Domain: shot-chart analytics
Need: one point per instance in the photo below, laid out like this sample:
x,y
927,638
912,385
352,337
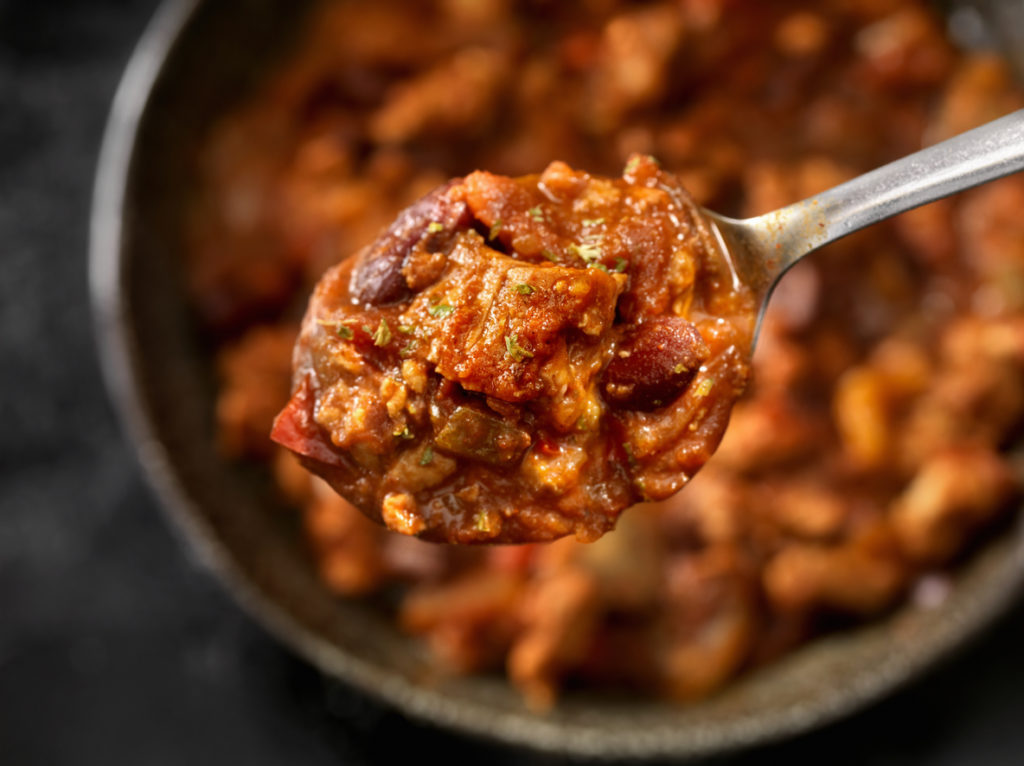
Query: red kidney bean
x,y
654,361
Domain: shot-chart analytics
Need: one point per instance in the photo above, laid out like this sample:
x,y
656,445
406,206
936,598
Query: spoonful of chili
x,y
518,359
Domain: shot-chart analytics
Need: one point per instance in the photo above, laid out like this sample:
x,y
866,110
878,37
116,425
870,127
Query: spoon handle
x,y
991,151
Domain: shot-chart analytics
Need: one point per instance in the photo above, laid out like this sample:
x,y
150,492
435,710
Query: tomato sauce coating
x,y
518,359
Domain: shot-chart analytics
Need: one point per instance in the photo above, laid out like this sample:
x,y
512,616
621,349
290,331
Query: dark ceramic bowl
x,y
187,69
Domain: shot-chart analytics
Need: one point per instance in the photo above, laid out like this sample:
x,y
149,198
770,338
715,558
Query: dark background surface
x,y
115,648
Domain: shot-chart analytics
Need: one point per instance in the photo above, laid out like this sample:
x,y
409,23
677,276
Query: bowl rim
x,y
118,359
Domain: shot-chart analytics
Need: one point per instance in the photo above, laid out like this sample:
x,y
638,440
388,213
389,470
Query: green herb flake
x,y
600,266
435,226
704,388
588,251
428,456
549,255
405,433
593,221
517,352
634,163
495,229
407,349
524,289
367,329
440,310
343,331
383,334
536,213
407,329
628,449
620,265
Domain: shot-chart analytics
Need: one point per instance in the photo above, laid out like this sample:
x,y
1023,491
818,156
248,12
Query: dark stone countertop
x,y
114,647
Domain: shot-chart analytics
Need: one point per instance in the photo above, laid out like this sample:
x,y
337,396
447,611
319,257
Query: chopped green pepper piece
x,y
471,433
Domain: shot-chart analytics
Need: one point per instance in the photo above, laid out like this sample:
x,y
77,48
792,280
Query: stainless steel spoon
x,y
763,248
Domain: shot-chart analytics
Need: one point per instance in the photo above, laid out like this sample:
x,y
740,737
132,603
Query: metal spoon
x,y
763,248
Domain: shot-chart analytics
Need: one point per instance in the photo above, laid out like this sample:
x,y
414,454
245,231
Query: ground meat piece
x,y
955,492
238,268
454,97
861,576
708,621
345,544
979,90
768,432
254,375
863,417
469,621
711,510
561,613
993,237
808,509
977,395
803,33
905,48
636,48
520,359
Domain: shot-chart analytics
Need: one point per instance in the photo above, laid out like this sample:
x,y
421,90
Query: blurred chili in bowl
x,y
868,465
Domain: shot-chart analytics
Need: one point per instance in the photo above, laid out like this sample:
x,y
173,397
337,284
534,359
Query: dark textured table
x,y
114,647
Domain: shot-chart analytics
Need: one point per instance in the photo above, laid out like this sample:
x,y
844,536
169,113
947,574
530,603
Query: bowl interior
x,y
202,56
